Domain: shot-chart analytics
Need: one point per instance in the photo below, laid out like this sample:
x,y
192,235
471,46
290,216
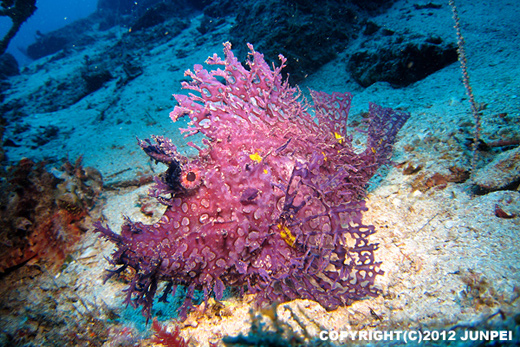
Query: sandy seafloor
x,y
449,262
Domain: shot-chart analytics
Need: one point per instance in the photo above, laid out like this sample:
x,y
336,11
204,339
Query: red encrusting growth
x,y
43,216
167,338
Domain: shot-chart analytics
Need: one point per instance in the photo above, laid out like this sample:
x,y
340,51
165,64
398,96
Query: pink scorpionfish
x,y
273,202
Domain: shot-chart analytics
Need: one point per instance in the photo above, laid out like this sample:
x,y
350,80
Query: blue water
x,y
50,15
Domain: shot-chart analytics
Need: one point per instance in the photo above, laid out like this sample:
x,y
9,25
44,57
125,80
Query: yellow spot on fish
x,y
379,144
286,235
324,156
265,171
256,157
339,137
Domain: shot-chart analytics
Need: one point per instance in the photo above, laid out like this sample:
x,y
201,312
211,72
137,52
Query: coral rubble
x,y
41,215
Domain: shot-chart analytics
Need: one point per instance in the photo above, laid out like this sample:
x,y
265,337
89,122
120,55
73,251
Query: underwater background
x,y
79,83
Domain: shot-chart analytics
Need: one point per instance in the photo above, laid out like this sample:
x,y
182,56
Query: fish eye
x,y
191,176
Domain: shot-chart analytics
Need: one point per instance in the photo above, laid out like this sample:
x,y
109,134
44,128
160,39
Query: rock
x,y
221,8
501,173
117,7
153,16
308,33
159,13
8,66
46,45
399,59
95,79
77,33
83,32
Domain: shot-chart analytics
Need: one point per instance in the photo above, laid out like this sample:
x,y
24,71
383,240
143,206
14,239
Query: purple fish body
x,y
272,203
